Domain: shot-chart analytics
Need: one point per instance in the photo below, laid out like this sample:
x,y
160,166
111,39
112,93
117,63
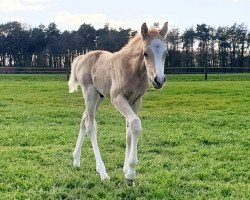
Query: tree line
x,y
43,46
46,46
205,46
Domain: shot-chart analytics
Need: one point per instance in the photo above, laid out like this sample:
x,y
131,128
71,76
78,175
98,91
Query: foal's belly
x,y
102,83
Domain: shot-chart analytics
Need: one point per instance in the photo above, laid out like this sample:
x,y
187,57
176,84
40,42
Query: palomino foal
x,y
123,77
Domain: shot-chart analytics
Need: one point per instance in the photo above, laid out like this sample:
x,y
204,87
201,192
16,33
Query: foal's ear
x,y
144,30
164,29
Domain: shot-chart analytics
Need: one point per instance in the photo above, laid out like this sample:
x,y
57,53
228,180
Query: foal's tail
x,y
73,83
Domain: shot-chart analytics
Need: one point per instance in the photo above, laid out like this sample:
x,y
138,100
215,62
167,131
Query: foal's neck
x,y
135,56
139,64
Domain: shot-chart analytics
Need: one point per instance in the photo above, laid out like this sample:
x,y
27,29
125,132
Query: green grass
x,y
195,142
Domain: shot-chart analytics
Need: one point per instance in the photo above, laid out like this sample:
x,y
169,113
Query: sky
x,y
69,15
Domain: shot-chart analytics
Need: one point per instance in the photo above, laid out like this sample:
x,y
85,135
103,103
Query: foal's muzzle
x,y
158,82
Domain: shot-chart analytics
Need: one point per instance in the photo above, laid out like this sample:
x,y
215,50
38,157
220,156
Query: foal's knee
x,y
135,125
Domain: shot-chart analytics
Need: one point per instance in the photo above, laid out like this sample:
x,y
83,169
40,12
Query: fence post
x,y
205,71
67,65
205,65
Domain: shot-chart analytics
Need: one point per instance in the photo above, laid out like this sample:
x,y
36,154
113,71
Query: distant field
x,y
195,142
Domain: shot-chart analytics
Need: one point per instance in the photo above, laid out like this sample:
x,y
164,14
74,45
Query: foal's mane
x,y
138,38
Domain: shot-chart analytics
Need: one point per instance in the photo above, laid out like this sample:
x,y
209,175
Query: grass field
x,y
195,142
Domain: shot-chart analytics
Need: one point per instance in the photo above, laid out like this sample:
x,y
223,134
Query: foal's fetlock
x,y
76,160
125,168
76,163
130,174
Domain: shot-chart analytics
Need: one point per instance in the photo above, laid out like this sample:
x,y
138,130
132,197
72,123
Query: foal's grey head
x,y
154,51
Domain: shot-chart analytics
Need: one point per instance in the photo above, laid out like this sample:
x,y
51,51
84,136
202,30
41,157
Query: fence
x,y
210,70
32,70
168,70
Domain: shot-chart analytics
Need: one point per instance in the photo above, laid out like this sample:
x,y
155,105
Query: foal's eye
x,y
165,55
145,55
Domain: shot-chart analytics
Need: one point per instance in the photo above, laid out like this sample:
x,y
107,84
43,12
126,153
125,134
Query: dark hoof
x,y
130,183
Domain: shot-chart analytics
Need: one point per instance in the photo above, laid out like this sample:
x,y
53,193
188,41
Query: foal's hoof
x,y
76,163
103,174
105,178
130,183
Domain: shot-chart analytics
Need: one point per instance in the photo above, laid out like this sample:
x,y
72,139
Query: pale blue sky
x,y
69,15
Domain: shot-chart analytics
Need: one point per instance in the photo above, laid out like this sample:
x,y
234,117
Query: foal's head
x,y
154,51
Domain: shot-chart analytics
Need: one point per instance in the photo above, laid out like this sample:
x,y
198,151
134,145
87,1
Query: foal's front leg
x,y
134,124
128,145
135,107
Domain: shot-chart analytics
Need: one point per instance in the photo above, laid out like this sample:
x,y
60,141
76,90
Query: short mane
x,y
137,38
133,41
153,31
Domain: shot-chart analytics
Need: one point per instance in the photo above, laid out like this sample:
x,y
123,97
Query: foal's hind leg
x,y
91,100
81,136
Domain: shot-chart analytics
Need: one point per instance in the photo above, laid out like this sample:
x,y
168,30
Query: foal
x,y
124,78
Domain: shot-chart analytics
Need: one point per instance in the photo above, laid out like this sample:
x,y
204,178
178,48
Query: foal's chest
x,y
134,92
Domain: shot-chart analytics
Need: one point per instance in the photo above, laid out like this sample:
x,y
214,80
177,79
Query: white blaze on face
x,y
159,50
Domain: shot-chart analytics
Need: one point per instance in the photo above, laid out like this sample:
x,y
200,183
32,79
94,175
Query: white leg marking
x,y
92,103
81,136
100,167
128,145
135,128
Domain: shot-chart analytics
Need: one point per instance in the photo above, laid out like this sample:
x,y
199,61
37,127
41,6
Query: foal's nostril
x,y
157,82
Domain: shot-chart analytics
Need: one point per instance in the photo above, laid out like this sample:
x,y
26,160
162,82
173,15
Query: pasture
x,y
195,142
